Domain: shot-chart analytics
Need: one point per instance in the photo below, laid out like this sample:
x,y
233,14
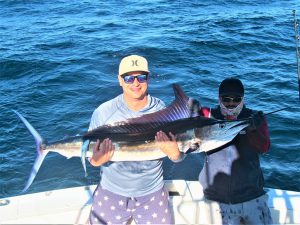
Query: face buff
x,y
231,113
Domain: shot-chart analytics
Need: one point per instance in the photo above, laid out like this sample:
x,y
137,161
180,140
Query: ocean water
x,y
59,61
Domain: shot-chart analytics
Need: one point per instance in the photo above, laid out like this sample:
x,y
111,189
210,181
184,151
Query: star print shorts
x,y
110,208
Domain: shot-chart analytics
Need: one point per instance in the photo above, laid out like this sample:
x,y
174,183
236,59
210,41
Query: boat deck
x,y
72,206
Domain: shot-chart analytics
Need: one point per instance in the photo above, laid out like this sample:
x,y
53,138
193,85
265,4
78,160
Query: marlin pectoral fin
x,y
84,149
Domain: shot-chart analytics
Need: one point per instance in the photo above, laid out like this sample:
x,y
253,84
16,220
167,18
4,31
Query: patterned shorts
x,y
110,208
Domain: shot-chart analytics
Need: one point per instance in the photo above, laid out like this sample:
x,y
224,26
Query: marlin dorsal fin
x,y
179,109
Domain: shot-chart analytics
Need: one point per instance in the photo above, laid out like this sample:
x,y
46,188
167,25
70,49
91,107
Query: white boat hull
x,y
72,206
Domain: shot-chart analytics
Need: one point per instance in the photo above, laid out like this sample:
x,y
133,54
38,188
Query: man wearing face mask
x,y
231,177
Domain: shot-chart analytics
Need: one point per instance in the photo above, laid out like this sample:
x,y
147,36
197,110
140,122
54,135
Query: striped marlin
x,y
134,139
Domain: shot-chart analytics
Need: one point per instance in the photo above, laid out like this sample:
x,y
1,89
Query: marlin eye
x,y
222,125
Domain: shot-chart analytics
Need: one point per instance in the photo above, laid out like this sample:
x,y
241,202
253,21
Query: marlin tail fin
x,y
40,153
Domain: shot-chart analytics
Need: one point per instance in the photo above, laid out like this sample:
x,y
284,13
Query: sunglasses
x,y
142,78
229,99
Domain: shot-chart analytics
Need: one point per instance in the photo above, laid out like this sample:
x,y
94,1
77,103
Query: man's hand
x,y
102,152
256,120
168,145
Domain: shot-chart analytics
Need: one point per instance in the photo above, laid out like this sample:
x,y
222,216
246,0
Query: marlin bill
x,y
134,139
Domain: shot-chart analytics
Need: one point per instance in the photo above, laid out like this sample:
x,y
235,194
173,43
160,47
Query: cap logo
x,y
135,63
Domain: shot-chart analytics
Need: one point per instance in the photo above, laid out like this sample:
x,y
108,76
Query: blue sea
x,y
59,61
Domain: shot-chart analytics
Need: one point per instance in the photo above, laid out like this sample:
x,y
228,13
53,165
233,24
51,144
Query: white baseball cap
x,y
133,63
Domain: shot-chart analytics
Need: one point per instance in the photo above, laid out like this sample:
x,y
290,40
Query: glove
x,y
194,106
256,120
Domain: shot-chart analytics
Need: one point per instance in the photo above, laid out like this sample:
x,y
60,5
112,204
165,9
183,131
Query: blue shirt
x,y
130,179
